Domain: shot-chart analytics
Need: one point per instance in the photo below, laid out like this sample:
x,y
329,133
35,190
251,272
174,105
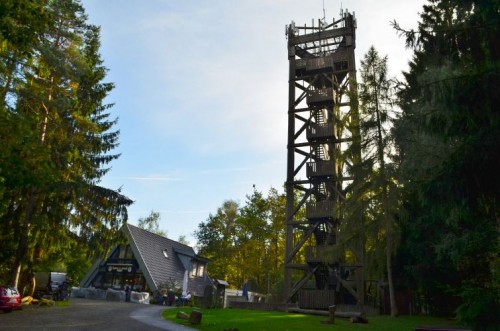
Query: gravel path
x,y
85,314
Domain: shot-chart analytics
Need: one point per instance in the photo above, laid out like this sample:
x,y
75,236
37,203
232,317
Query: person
x,y
56,291
63,291
187,298
171,297
245,290
164,298
184,299
127,293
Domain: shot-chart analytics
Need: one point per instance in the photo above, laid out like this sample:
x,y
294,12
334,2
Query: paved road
x,y
85,314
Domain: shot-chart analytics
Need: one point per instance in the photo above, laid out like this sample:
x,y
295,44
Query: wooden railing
x,y
316,131
320,96
326,63
320,169
321,209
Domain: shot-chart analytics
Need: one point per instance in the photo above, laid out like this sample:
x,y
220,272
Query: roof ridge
x,y
133,242
156,234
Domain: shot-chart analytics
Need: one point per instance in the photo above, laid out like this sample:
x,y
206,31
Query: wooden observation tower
x,y
323,147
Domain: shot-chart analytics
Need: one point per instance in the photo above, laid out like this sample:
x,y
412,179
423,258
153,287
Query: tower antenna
x,y
324,13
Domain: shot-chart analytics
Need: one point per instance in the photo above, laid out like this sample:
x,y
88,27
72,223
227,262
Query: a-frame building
x,y
149,262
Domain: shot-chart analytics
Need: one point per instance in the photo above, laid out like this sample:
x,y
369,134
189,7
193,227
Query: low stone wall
x,y
139,297
95,294
78,292
109,295
114,295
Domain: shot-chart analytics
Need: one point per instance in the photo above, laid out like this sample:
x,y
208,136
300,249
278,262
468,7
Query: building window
x,y
197,269
201,270
165,252
194,267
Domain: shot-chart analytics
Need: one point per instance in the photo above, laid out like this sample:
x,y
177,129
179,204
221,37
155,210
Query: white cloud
x,y
218,81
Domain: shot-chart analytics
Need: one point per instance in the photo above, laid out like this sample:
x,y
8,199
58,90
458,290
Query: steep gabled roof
x,y
149,248
94,269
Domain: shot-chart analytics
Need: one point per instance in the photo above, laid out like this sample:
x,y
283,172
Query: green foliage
x,y
375,195
216,241
183,240
246,242
376,108
447,138
21,21
151,223
480,308
56,136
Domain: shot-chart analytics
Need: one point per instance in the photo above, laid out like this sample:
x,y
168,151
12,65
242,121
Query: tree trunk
x,y
392,297
26,284
22,247
32,201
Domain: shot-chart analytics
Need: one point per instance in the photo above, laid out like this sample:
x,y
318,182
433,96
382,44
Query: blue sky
x,y
201,94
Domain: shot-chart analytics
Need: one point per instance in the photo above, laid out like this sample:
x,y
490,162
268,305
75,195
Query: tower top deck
x,y
347,19
321,37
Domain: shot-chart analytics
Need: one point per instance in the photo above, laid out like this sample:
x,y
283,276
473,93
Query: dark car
x,y
10,298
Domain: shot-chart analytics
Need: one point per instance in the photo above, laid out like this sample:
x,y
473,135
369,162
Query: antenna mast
x,y
324,13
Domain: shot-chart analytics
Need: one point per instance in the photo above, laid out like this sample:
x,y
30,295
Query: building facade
x,y
149,263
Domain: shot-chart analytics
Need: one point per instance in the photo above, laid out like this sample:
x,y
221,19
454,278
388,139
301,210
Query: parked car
x,y
10,298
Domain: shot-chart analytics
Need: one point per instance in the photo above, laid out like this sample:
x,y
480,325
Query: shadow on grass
x,y
242,320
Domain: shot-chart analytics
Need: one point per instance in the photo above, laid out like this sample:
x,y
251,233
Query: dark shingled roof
x,y
148,249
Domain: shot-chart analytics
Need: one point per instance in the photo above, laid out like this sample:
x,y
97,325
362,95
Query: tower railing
x,y
319,131
320,169
320,209
320,96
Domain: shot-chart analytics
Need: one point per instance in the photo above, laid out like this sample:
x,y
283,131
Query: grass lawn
x,y
64,304
221,319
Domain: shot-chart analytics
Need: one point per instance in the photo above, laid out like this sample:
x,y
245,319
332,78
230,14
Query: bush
x,y
480,309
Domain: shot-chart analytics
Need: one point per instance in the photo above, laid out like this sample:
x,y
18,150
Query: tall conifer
x,y
56,136
448,137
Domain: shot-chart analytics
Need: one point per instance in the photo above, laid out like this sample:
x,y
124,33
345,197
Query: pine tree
x,y
378,186
448,137
56,135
